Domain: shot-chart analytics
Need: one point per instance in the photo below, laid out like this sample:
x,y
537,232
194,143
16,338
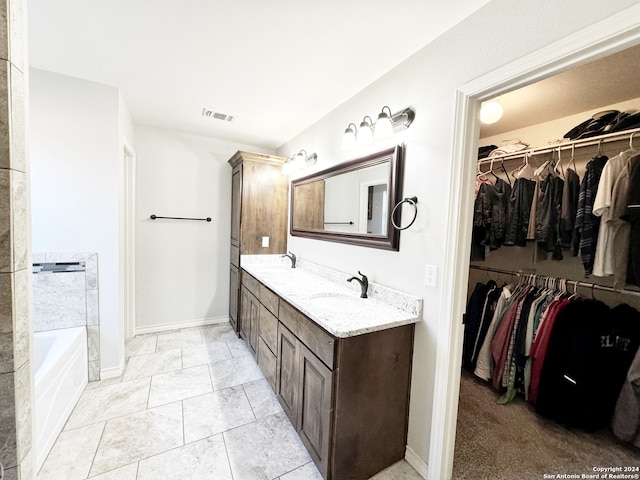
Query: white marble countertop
x,y
351,315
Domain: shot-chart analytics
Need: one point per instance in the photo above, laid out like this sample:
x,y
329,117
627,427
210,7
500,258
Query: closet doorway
x,y
500,435
605,39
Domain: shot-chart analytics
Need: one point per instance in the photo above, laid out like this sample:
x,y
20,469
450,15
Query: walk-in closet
x,y
550,382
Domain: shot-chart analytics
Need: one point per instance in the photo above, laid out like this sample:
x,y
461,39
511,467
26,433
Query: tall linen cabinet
x,y
259,199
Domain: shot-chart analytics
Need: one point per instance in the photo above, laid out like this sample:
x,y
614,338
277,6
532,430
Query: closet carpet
x,y
512,442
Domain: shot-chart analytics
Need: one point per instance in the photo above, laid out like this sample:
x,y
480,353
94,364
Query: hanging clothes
x,y
626,418
569,208
603,261
633,216
519,212
586,228
484,360
590,350
480,309
549,206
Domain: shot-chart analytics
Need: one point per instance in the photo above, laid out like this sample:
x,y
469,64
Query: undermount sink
x,y
338,302
276,269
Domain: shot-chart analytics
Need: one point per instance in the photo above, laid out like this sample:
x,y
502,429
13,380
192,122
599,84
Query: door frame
x,y
127,224
603,38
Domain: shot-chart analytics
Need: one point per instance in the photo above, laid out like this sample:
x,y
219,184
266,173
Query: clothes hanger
x,y
492,172
573,158
525,170
504,170
559,171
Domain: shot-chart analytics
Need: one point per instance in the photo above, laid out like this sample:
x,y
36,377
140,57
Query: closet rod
x,y
576,283
585,142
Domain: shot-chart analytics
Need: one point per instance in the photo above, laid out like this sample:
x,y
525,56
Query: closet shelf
x,y
585,142
575,283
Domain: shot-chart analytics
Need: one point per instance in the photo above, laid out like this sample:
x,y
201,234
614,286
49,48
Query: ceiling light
x,y
365,132
491,112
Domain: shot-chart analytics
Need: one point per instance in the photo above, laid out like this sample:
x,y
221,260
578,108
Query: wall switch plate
x,y
430,275
265,242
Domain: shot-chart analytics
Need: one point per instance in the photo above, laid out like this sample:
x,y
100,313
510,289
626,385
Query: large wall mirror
x,y
351,202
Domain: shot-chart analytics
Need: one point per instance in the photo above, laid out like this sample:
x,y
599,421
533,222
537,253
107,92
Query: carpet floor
x,y
509,442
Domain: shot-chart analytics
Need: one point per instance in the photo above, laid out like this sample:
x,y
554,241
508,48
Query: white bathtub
x,y
61,373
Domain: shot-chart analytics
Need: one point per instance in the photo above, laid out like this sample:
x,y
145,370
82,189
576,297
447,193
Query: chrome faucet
x,y
293,259
364,283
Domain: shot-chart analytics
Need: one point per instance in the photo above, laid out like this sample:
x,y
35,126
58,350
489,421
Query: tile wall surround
x,y
69,299
15,337
395,298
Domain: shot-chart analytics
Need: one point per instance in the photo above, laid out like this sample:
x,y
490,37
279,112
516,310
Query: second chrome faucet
x,y
364,283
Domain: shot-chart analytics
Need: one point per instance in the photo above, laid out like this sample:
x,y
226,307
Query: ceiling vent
x,y
217,115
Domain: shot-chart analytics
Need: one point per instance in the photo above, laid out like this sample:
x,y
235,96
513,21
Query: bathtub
x,y
60,378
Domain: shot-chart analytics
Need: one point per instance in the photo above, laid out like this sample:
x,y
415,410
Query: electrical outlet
x,y
265,242
430,275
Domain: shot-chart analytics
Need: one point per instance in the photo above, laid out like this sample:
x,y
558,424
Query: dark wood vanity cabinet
x,y
259,198
347,397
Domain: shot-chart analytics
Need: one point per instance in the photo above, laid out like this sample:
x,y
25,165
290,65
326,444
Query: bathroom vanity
x,y
340,365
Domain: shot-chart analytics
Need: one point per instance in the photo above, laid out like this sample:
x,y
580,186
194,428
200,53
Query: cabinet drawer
x,y
269,299
268,328
251,283
235,255
315,338
267,363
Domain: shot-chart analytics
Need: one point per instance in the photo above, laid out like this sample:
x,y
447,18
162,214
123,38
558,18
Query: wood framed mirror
x,y
351,202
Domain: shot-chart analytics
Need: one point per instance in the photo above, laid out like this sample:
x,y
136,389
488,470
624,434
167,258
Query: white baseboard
x,y
416,462
111,372
163,327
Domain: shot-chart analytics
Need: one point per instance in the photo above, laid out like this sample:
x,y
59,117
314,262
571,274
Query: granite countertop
x,y
308,285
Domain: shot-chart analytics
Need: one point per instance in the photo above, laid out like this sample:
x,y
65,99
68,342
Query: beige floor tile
x,y
398,471
216,412
137,436
202,460
72,454
128,472
235,371
265,449
308,471
206,353
217,332
178,385
183,338
262,399
153,364
111,401
238,347
140,345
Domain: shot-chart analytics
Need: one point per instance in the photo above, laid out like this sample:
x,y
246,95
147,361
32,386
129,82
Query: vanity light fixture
x,y
387,124
491,112
365,132
349,138
298,161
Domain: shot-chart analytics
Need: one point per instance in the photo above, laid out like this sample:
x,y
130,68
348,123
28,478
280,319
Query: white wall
x,y
182,267
499,33
75,152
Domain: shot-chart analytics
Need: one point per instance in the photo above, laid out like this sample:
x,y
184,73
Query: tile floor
x,y
192,404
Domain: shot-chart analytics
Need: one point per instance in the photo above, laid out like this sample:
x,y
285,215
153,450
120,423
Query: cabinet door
x,y
254,319
233,298
287,373
314,410
245,313
236,196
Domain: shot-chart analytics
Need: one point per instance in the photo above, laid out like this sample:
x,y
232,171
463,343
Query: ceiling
x,y
276,66
597,84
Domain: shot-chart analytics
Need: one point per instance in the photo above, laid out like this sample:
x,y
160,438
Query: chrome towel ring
x,y
412,201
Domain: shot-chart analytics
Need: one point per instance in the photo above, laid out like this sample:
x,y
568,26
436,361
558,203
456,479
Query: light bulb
x,y
491,112
349,138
